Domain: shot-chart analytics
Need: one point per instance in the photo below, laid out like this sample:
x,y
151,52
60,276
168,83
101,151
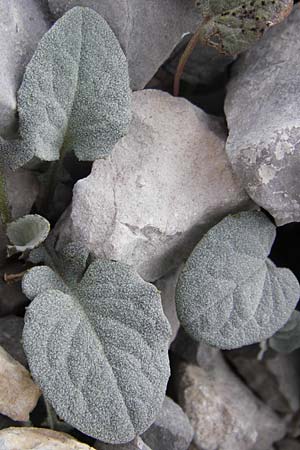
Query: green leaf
x,y
27,233
96,340
229,293
75,93
232,26
287,339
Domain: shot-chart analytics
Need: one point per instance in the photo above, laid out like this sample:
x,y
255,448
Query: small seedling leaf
x,y
27,233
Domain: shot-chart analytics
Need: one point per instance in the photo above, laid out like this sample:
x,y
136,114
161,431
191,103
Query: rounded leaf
x,y
75,93
287,339
27,233
229,293
232,26
100,352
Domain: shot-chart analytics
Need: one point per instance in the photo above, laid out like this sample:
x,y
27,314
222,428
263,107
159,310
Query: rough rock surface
x,y
263,115
223,411
274,379
165,183
137,444
18,393
288,444
171,430
22,190
146,43
11,328
22,24
167,286
38,439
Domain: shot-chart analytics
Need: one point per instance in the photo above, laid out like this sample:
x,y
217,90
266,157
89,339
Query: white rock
x,y
22,24
38,439
165,183
148,30
18,393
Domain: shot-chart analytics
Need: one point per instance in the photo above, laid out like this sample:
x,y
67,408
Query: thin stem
x,y
13,277
184,58
4,204
51,415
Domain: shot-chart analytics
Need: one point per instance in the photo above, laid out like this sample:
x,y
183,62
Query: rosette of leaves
x,y
232,26
287,339
75,93
230,294
97,341
27,233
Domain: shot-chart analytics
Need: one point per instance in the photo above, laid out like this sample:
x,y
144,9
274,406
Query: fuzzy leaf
x,y
75,93
229,293
232,26
27,233
97,344
287,339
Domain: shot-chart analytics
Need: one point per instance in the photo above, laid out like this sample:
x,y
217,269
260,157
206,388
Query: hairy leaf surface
x,y
232,26
287,339
229,293
75,93
96,340
27,233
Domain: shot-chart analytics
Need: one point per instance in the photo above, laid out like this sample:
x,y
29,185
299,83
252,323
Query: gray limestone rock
x,y
146,43
223,411
274,379
22,24
263,115
162,187
167,286
171,430
22,189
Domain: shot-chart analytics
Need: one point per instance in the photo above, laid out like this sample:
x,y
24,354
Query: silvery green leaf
x,y
232,26
27,233
96,340
75,93
287,339
229,293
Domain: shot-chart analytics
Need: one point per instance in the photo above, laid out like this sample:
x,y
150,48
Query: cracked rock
x,y
18,393
263,114
224,413
22,24
162,187
171,430
38,439
146,43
